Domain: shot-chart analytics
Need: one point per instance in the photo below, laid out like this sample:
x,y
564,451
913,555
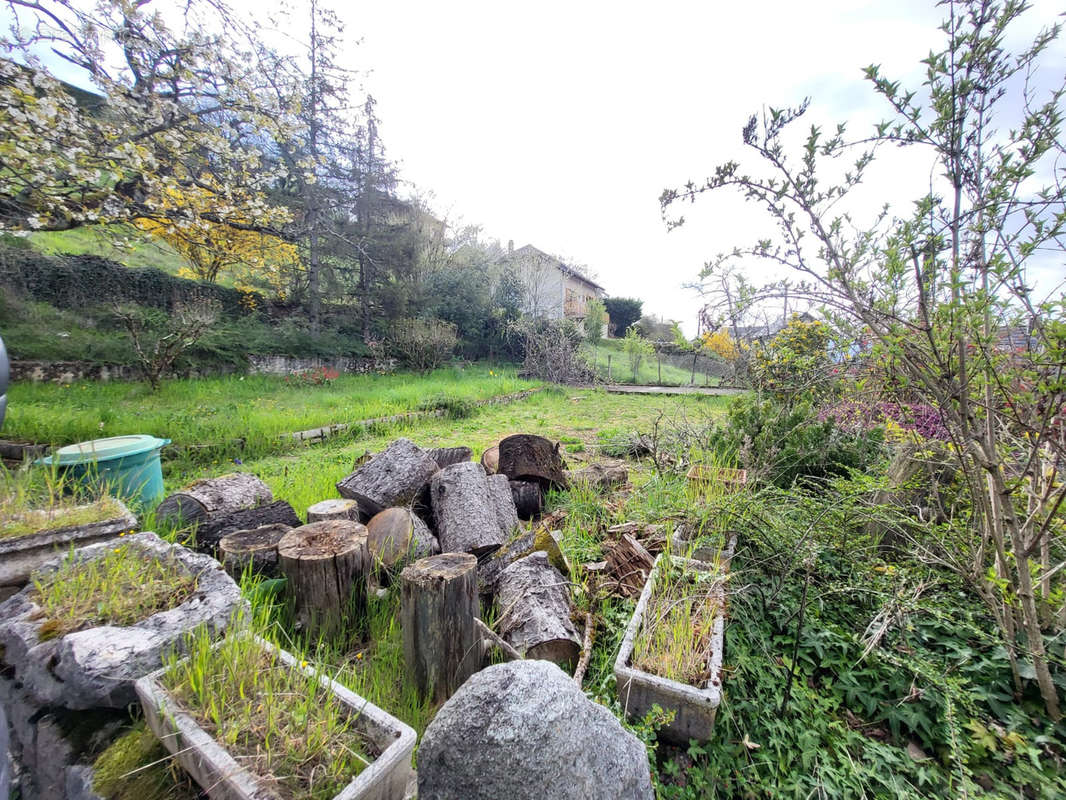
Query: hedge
x,y
75,281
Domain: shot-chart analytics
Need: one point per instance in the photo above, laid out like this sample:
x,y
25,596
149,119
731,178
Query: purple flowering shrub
x,y
858,416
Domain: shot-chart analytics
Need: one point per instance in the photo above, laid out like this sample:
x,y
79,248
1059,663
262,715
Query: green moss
x,y
137,767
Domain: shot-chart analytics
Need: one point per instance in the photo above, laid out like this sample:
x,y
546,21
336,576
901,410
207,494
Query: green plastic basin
x,y
127,465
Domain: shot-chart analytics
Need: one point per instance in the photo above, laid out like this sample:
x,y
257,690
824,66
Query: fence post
x,y
608,368
659,358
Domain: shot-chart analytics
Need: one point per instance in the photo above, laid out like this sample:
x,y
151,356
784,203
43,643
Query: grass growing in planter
x,y
675,636
279,722
121,587
33,500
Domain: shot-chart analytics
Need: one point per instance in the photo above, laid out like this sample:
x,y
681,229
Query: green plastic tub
x,y
127,465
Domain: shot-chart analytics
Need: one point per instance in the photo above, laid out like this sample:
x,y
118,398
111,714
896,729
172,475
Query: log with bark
x,y
628,566
534,606
211,498
528,498
503,504
208,534
438,616
464,510
256,549
333,509
600,476
396,536
446,456
393,477
527,457
326,564
520,546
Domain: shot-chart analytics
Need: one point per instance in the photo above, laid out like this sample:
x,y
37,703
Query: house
x,y
550,288
750,334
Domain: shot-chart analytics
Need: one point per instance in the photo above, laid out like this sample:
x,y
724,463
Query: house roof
x,y
569,271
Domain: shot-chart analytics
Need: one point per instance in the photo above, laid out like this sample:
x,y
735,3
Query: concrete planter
x,y
223,778
96,667
21,555
638,691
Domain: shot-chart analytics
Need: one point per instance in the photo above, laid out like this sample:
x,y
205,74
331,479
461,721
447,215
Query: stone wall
x,y
70,371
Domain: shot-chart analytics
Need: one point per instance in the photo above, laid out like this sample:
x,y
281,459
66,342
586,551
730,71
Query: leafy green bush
x,y
424,344
784,444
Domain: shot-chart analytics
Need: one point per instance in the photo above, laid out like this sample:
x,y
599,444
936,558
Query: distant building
x,y
550,288
750,334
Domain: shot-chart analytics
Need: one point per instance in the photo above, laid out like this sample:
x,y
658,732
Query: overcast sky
x,y
558,124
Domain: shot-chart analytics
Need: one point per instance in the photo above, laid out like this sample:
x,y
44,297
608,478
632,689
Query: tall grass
x,y
41,498
256,409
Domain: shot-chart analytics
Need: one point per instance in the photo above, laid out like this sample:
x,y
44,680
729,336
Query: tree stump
x,y
209,533
438,613
503,503
256,548
446,456
326,564
465,513
535,611
393,477
490,460
398,535
211,498
528,499
526,457
333,509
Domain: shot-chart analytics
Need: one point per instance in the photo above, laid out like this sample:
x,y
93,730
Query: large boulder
x,y
96,667
525,731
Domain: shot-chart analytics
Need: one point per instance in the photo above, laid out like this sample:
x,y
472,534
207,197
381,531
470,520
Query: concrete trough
x,y
21,555
695,707
223,778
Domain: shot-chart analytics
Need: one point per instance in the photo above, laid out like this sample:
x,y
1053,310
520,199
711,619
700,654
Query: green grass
x,y
119,587
107,241
137,767
220,411
277,720
33,500
648,372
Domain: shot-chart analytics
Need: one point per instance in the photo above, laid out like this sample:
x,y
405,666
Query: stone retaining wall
x,y
70,371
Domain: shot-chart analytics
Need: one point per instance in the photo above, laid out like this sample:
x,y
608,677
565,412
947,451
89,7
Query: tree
x,y
636,347
184,111
623,312
595,318
160,339
946,294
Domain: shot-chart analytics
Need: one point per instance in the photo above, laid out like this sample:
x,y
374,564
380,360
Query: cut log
x,y
489,569
256,549
628,566
326,564
398,535
393,477
526,457
600,476
209,533
208,499
528,498
535,611
325,510
503,503
490,460
446,456
438,615
465,513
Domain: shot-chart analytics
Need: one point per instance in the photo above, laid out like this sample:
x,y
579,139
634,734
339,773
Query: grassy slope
x,y
106,241
647,374
218,411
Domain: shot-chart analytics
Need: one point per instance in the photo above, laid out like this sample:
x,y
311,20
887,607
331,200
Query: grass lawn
x,y
218,411
648,372
142,250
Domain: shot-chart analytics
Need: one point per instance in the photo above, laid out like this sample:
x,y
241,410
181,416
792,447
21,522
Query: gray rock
x,y
524,731
96,667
